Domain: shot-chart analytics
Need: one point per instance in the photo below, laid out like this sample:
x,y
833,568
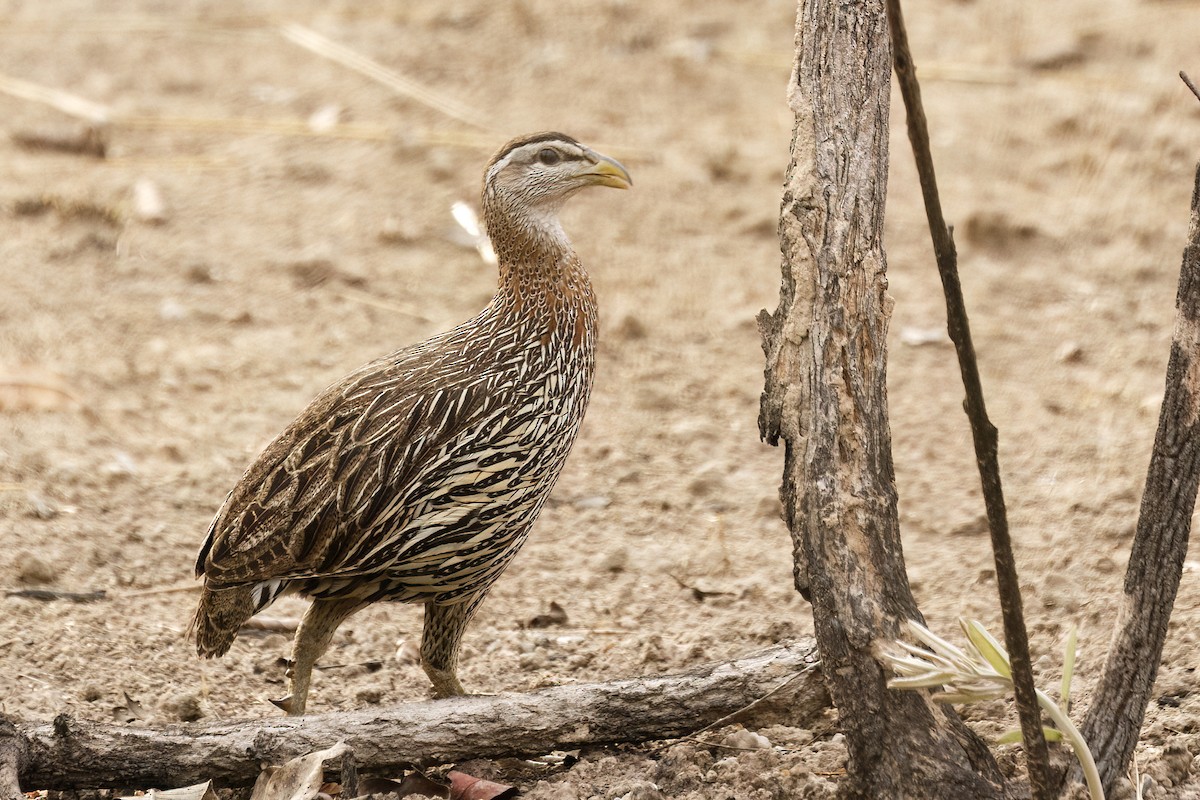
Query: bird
x,y
416,478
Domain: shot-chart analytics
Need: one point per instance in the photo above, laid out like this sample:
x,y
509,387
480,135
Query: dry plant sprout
x,y
983,671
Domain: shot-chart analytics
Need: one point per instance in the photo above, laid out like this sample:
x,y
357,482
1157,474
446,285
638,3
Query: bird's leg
x,y
444,626
312,637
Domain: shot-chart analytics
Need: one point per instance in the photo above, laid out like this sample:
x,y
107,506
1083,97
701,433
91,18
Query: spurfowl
x,y
417,477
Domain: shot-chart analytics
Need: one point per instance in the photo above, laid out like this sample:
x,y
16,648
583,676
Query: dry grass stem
x,y
406,87
66,102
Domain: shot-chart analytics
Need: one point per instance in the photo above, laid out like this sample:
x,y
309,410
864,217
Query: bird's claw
x,y
288,705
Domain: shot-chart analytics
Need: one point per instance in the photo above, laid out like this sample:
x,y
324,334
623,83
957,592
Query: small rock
x,y
396,231
919,337
122,465
593,501
638,790
557,615
993,230
974,527
532,661
200,273
747,740
654,650
1069,353
41,507
769,507
34,569
312,272
171,310
325,118
1174,765
615,560
707,483
630,328
371,695
184,706
1056,54
148,205
408,652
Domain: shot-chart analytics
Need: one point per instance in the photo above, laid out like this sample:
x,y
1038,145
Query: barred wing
x,y
335,474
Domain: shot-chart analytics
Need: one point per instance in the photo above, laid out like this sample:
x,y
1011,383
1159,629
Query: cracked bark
x,y
825,398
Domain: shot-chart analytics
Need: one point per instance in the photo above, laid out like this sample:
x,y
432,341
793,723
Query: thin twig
x,y
982,430
731,717
1189,83
48,595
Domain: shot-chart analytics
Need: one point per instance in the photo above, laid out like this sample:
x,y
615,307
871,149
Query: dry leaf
x,y
130,711
30,388
299,779
698,594
408,651
468,787
471,233
557,615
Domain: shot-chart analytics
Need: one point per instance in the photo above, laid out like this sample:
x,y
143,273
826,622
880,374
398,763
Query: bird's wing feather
x,y
339,469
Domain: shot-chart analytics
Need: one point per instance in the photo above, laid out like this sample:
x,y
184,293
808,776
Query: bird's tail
x,y
221,613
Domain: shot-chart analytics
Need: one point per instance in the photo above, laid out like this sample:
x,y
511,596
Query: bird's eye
x,y
549,156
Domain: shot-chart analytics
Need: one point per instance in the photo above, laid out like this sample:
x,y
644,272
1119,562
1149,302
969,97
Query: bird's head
x,y
544,169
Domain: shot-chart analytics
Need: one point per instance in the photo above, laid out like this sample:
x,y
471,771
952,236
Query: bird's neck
x,y
538,266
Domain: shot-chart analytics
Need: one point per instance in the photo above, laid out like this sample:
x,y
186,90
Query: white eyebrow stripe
x,y
502,163
573,150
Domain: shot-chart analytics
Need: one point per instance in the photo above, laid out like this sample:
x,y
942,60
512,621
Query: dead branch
x,y
1160,544
983,432
71,754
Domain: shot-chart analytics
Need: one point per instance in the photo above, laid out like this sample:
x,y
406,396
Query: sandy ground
x,y
1065,148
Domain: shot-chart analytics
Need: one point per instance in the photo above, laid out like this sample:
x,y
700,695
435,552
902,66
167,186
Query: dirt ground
x,y
286,257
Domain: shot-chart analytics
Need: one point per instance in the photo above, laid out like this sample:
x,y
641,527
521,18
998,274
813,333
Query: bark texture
x,y
1160,544
826,399
12,757
68,754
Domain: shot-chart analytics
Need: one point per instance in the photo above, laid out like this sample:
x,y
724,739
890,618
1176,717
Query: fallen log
x,y
74,754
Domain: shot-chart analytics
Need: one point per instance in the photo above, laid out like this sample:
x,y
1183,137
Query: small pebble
x,y
148,205
34,569
184,706
747,740
408,651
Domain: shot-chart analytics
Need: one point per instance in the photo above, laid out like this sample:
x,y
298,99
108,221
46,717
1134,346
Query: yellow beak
x,y
607,172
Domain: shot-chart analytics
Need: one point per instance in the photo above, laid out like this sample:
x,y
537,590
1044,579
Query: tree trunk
x,y
69,754
1114,719
826,397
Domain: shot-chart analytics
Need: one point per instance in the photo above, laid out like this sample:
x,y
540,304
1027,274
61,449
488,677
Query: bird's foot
x,y
289,705
445,683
